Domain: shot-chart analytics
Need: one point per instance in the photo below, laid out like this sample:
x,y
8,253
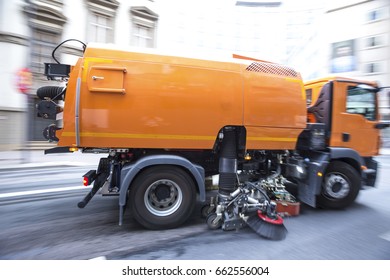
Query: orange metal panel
x,y
363,136
274,101
132,99
271,138
175,105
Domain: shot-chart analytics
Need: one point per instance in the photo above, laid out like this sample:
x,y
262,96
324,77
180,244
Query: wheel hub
x,y
163,198
336,186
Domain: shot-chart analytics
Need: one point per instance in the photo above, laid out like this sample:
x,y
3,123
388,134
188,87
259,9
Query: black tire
x,y
212,221
162,197
340,187
206,210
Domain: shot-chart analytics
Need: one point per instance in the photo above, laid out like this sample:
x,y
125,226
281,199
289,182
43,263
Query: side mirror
x,y
384,95
368,87
382,125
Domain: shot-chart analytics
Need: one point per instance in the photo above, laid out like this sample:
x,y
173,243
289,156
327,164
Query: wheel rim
x,y
336,186
163,198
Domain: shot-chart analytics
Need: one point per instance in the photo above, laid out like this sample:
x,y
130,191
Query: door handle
x,y
97,78
346,137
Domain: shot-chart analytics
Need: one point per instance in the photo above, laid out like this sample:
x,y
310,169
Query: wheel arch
x,y
319,163
130,172
345,167
348,156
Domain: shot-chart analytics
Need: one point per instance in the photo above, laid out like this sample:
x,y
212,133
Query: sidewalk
x,y
37,158
385,151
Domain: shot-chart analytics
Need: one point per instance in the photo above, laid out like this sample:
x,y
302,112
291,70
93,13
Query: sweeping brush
x,y
266,226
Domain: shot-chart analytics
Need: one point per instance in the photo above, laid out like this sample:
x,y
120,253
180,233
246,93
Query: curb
x,y
12,160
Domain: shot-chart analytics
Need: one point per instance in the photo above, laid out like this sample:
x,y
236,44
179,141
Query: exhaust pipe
x,y
228,162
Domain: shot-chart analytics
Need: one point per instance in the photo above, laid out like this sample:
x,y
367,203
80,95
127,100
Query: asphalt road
x,y
37,224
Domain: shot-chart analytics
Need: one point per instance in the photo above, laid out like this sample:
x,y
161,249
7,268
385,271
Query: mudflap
x,y
310,187
370,174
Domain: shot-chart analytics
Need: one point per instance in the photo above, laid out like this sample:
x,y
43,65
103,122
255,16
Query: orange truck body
x,y
167,122
124,99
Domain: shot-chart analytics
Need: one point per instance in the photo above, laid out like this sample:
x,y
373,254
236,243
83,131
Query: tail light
x,y
89,177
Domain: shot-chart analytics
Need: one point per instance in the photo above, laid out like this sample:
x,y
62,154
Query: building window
x,y
144,25
377,14
42,46
375,41
46,23
373,68
372,42
100,28
143,36
343,57
101,20
373,15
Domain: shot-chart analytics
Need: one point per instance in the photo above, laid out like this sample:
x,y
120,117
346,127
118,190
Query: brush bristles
x,y
267,230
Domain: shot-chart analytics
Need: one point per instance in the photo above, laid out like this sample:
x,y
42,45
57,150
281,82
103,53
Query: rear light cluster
x,y
89,177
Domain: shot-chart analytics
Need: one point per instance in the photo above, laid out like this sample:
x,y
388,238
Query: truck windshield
x,y
362,101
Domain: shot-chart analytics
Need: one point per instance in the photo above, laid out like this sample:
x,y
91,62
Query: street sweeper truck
x,y
168,122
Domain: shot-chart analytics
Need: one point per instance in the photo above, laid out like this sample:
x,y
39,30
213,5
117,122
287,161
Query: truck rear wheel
x,y
340,186
162,197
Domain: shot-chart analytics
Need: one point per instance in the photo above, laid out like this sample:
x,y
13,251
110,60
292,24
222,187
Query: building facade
x,y
318,38
349,38
31,29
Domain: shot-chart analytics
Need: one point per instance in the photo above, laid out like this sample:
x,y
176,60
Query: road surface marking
x,y
64,189
385,236
102,258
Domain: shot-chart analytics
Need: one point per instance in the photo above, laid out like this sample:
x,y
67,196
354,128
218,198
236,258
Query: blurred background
x,y
345,37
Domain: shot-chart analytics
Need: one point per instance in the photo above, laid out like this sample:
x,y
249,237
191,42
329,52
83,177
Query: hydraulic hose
x,y
228,162
51,92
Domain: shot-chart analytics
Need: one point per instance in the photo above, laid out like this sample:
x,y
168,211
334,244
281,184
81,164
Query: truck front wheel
x,y
340,186
162,197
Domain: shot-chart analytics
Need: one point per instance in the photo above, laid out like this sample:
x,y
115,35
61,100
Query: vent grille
x,y
271,68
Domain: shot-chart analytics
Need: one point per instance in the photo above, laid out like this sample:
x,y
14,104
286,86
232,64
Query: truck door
x,y
354,116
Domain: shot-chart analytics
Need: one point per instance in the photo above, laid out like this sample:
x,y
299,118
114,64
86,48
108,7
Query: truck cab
x,y
349,110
